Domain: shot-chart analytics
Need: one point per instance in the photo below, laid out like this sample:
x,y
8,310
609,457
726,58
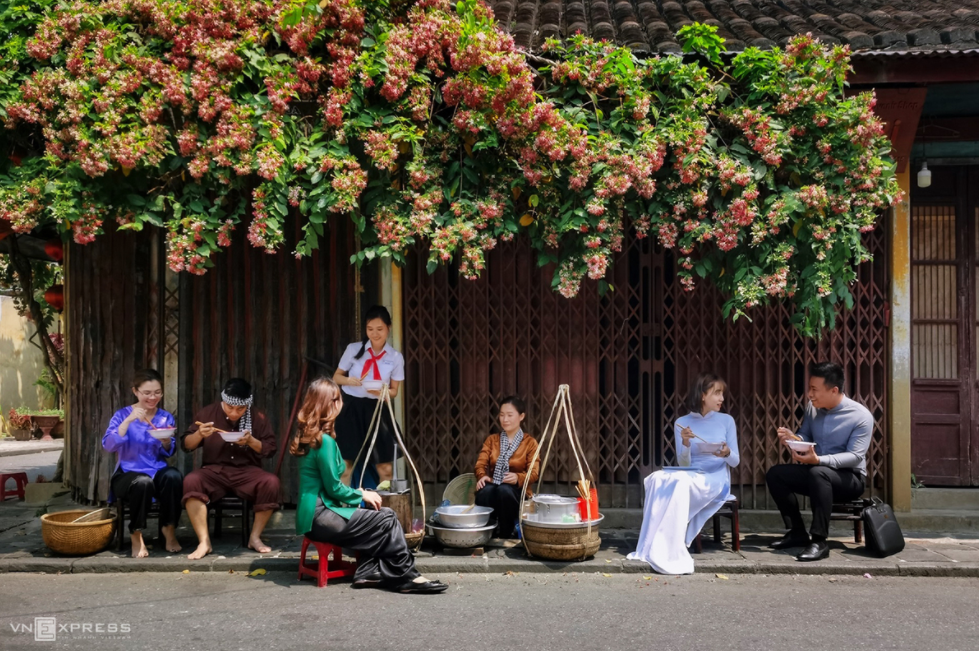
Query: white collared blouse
x,y
391,367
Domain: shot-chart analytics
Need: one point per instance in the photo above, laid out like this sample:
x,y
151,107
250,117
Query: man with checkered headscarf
x,y
234,438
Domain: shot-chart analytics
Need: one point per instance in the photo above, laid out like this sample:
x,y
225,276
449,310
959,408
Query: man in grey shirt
x,y
832,471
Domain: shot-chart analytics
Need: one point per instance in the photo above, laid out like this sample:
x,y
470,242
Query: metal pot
x,y
463,517
462,538
553,508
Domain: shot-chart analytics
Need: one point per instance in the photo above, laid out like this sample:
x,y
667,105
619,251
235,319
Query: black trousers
x,y
823,485
504,499
352,427
139,489
376,534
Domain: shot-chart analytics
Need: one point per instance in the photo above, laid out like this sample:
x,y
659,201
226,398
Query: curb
x,y
41,450
455,565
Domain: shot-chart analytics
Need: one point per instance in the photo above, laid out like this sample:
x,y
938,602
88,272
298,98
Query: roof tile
x,y
651,25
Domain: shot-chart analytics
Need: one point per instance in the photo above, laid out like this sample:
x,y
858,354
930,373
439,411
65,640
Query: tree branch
x,y
53,359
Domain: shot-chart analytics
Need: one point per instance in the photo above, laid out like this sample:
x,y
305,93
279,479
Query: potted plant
x,y
46,420
20,424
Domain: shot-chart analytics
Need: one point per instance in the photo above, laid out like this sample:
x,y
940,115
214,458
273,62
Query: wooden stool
x,y
240,509
20,481
852,511
728,510
323,571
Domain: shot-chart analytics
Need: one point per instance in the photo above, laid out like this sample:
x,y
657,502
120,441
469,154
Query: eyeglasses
x,y
151,394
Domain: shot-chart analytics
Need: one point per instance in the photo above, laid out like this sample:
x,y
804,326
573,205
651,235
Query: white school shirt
x,y
391,366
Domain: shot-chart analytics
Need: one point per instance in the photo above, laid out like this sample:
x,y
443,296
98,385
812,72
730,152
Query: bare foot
x,y
259,546
170,535
202,550
139,547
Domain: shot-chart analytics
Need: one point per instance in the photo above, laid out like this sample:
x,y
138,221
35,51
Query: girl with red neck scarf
x,y
363,368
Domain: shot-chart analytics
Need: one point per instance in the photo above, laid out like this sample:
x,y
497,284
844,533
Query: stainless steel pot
x,y
463,517
462,538
553,508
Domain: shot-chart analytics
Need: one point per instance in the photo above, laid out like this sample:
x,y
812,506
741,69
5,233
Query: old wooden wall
x,y
253,315
112,330
259,317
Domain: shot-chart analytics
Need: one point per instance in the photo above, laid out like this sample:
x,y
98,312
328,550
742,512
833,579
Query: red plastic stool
x,y
20,480
325,569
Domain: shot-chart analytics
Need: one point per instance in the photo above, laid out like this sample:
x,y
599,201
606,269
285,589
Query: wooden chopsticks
x,y
219,431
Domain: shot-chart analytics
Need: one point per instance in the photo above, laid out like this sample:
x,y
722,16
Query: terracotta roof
x,y
651,25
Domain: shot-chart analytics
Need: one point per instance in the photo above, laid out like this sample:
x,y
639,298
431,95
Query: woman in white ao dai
x,y
679,503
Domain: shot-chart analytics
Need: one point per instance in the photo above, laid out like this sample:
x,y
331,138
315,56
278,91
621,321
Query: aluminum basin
x,y
553,508
462,538
461,516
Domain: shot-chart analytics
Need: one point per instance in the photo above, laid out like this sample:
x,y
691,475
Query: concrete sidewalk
x,y
11,448
22,550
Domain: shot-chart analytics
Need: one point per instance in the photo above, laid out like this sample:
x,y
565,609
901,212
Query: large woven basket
x,y
574,544
75,539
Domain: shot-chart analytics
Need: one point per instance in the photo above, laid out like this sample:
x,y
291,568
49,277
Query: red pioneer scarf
x,y
372,363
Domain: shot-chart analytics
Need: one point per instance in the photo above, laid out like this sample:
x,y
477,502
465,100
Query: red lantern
x,y
55,296
55,250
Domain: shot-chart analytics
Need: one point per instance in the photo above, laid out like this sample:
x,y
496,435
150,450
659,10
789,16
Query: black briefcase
x,y
884,536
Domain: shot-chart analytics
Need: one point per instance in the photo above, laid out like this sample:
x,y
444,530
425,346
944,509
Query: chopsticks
x,y
219,431
584,488
697,437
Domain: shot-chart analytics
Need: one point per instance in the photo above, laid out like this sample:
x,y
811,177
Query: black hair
x,y
700,386
831,372
146,375
517,403
238,388
373,312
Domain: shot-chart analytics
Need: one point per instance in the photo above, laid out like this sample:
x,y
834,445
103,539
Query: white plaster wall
x,y
21,362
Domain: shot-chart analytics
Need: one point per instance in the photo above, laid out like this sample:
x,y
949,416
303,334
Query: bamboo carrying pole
x,y
561,411
375,427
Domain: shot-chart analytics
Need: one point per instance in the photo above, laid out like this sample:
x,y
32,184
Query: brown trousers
x,y
250,483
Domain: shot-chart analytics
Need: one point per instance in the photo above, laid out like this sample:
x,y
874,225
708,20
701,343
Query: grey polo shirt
x,y
842,435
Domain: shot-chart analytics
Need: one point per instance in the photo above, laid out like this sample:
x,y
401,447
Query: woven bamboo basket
x,y
60,534
574,544
414,540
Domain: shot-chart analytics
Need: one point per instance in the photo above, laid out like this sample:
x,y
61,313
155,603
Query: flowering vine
x,y
423,123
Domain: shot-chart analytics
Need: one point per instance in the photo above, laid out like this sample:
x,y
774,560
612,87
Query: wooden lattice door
x,y
629,357
469,344
944,286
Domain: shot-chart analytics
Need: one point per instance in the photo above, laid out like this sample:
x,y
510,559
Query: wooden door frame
x,y
965,289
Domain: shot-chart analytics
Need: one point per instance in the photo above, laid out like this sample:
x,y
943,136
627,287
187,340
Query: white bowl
x,y
709,448
231,437
799,446
163,433
372,385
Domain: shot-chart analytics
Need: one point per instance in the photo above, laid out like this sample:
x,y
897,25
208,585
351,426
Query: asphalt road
x,y
532,612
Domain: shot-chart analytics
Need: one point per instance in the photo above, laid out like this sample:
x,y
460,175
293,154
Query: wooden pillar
x,y
171,341
70,440
390,292
899,391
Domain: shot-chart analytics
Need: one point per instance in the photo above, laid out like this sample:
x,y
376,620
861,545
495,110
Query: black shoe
x,y
369,581
791,540
428,587
816,551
